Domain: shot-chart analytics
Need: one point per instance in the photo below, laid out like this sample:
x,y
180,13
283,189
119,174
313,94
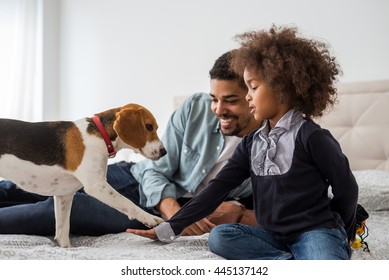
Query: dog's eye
x,y
149,127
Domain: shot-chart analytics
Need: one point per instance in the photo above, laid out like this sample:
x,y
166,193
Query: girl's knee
x,y
221,231
219,238
215,236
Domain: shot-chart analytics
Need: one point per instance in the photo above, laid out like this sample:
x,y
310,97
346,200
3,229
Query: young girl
x,y
292,162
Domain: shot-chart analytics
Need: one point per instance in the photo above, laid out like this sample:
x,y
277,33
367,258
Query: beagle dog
x,y
58,158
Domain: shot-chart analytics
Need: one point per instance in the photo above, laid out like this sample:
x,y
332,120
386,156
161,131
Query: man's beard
x,y
233,132
238,127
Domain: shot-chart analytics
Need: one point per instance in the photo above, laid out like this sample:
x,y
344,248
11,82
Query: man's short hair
x,y
221,70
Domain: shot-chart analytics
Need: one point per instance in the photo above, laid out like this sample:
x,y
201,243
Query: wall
x,y
112,52
50,51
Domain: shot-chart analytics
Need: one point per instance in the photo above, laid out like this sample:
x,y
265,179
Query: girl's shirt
x,y
291,168
272,150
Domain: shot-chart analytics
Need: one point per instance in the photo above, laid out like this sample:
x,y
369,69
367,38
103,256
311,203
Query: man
x,y
200,137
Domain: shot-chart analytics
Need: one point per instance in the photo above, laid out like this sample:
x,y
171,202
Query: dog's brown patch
x,y
75,148
129,127
42,143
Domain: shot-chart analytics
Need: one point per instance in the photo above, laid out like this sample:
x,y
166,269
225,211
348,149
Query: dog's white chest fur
x,y
40,179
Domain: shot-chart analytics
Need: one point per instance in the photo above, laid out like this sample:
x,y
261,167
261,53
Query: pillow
x,y
373,189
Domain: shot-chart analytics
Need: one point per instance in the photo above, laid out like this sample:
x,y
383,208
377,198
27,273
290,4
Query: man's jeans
x,y
88,215
237,241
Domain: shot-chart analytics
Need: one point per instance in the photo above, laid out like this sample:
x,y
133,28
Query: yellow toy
x,y
362,231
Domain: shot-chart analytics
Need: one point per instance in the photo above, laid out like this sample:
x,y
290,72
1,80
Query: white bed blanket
x,y
374,196
110,246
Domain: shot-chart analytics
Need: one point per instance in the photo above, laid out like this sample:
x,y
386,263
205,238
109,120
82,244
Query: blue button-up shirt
x,y
193,142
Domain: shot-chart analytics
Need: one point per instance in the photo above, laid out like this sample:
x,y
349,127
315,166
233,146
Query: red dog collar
x,y
104,134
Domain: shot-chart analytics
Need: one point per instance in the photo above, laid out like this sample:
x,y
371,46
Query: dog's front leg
x,y
108,195
62,207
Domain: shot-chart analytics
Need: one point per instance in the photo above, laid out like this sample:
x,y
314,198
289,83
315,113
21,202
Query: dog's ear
x,y
130,127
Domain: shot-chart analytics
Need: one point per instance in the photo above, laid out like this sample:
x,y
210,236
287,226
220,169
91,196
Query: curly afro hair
x,y
222,70
301,70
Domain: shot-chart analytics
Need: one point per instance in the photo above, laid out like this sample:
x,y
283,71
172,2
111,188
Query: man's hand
x,y
227,212
198,228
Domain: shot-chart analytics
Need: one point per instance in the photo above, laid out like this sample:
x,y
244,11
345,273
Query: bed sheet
x,y
374,196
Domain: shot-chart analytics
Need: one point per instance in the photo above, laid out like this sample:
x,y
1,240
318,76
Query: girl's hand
x,y
198,228
149,233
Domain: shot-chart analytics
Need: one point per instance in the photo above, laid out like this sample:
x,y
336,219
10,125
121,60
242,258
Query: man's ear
x,y
130,127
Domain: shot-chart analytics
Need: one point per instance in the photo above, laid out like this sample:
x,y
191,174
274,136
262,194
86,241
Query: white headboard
x,y
360,122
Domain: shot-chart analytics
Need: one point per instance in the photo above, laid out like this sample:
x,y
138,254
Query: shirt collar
x,y
286,122
216,128
289,119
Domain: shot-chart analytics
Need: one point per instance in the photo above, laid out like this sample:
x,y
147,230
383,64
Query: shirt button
x,y
204,171
171,237
218,148
185,151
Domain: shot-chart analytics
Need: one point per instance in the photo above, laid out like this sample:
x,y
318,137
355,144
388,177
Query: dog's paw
x,y
152,221
63,242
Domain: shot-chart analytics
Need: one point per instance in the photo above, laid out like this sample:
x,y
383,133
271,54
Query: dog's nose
x,y
162,151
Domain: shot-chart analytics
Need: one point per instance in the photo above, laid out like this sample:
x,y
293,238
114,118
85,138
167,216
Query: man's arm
x,y
168,206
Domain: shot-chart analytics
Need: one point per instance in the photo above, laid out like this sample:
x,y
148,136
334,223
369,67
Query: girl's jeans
x,y
237,241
